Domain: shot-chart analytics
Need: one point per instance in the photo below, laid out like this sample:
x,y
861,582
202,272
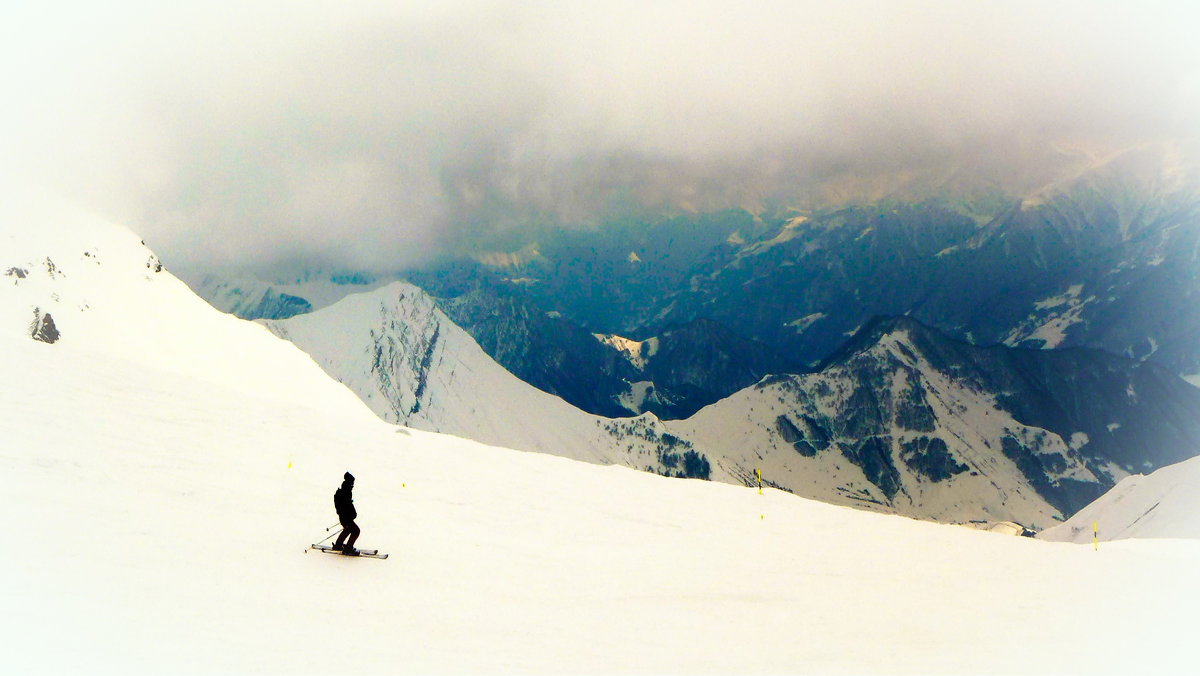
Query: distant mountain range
x,y
1108,257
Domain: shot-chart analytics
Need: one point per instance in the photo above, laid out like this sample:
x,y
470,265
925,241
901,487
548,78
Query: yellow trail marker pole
x,y
758,472
1096,535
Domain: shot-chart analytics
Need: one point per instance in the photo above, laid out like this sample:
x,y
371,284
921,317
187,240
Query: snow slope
x,y
166,496
1162,504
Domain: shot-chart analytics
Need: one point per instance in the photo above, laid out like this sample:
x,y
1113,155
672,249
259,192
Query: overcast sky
x,y
373,135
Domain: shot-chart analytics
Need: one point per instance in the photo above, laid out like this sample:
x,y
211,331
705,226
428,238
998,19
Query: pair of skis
x,y
366,553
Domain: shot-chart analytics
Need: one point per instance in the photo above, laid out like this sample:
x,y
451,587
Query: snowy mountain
x,y
903,419
413,366
171,463
1099,252
1162,504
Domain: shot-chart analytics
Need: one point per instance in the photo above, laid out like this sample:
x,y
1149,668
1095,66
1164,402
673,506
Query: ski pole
x,y
336,525
326,537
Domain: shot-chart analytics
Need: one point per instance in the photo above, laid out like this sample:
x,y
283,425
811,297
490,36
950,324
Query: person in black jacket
x,y
343,502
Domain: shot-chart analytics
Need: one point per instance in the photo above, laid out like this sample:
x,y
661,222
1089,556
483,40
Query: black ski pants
x,y
348,528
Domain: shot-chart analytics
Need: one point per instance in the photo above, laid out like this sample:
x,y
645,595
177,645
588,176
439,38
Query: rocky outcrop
x,y
42,327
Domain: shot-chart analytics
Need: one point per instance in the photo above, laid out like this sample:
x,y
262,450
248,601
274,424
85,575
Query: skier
x,y
343,501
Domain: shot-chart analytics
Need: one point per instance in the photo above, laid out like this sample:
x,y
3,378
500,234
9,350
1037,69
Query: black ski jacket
x,y
343,502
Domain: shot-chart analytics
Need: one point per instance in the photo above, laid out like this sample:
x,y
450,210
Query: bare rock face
x,y
42,327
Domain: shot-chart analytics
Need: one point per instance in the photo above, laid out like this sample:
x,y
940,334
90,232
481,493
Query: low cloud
x,y
353,135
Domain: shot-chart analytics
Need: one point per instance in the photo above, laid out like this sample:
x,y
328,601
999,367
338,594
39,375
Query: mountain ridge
x,y
992,433
410,364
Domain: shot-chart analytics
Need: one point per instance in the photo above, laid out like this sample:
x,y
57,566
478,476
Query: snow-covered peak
x,y
905,419
413,366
